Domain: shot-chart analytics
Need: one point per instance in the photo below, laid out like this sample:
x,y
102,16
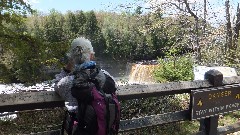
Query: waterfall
x,y
141,74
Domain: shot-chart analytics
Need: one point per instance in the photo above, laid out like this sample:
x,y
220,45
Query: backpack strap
x,y
81,114
111,112
64,123
110,106
92,77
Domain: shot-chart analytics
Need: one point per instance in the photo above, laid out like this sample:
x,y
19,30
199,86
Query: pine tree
x,y
80,22
71,28
54,27
93,32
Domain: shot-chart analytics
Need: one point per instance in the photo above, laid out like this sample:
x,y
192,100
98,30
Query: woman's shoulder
x,y
107,73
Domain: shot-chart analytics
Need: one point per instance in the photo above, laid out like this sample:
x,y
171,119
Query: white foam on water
x,y
16,88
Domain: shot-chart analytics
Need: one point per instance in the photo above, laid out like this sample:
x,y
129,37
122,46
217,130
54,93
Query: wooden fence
x,y
208,99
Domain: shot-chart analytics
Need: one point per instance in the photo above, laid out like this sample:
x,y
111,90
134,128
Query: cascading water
x,y
141,73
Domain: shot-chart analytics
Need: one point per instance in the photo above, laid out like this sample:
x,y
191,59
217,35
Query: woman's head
x,y
81,50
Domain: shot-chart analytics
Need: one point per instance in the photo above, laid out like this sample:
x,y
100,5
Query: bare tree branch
x,y
189,10
204,16
178,7
229,27
237,27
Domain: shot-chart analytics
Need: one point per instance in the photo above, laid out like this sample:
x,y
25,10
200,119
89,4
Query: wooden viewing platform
x,y
198,90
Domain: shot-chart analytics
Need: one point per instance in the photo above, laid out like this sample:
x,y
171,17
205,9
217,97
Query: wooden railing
x,y
202,102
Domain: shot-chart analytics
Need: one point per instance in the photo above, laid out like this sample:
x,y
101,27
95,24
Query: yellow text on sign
x,y
200,103
217,95
237,96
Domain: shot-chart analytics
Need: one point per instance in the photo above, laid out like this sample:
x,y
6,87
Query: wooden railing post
x,y
209,125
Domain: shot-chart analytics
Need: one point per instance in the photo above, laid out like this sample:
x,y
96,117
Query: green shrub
x,y
174,68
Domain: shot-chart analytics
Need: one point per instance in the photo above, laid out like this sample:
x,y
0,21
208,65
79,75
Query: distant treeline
x,y
39,41
130,36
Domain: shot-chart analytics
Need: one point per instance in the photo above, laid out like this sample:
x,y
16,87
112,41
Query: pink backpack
x,y
98,108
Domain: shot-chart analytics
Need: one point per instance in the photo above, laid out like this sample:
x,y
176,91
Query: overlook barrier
x,y
209,98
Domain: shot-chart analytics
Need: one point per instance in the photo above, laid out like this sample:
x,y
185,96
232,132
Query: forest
x,y
32,42
178,34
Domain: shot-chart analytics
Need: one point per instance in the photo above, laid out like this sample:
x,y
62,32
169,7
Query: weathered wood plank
x,y
153,90
30,101
46,99
148,121
221,130
229,129
50,98
154,120
224,130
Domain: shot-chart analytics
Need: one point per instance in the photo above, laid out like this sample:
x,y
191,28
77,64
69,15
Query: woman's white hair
x,y
80,50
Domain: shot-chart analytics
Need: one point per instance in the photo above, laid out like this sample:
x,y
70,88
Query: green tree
x,y
91,25
80,21
11,12
16,43
113,43
121,32
93,32
174,68
71,27
53,27
38,29
28,61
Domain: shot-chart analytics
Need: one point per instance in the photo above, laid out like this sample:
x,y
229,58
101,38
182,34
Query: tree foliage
x,y
11,13
137,35
13,37
53,27
93,32
174,68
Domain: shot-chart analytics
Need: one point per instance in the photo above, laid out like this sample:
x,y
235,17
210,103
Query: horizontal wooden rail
x,y
50,99
129,92
30,101
154,120
221,130
229,129
138,123
224,130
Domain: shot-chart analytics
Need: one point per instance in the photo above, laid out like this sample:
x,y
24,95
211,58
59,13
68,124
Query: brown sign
x,y
215,101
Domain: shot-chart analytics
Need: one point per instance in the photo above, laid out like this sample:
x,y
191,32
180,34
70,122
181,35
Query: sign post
x,y
209,125
215,101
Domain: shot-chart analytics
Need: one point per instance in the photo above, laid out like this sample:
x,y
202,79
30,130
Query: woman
x,y
74,80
